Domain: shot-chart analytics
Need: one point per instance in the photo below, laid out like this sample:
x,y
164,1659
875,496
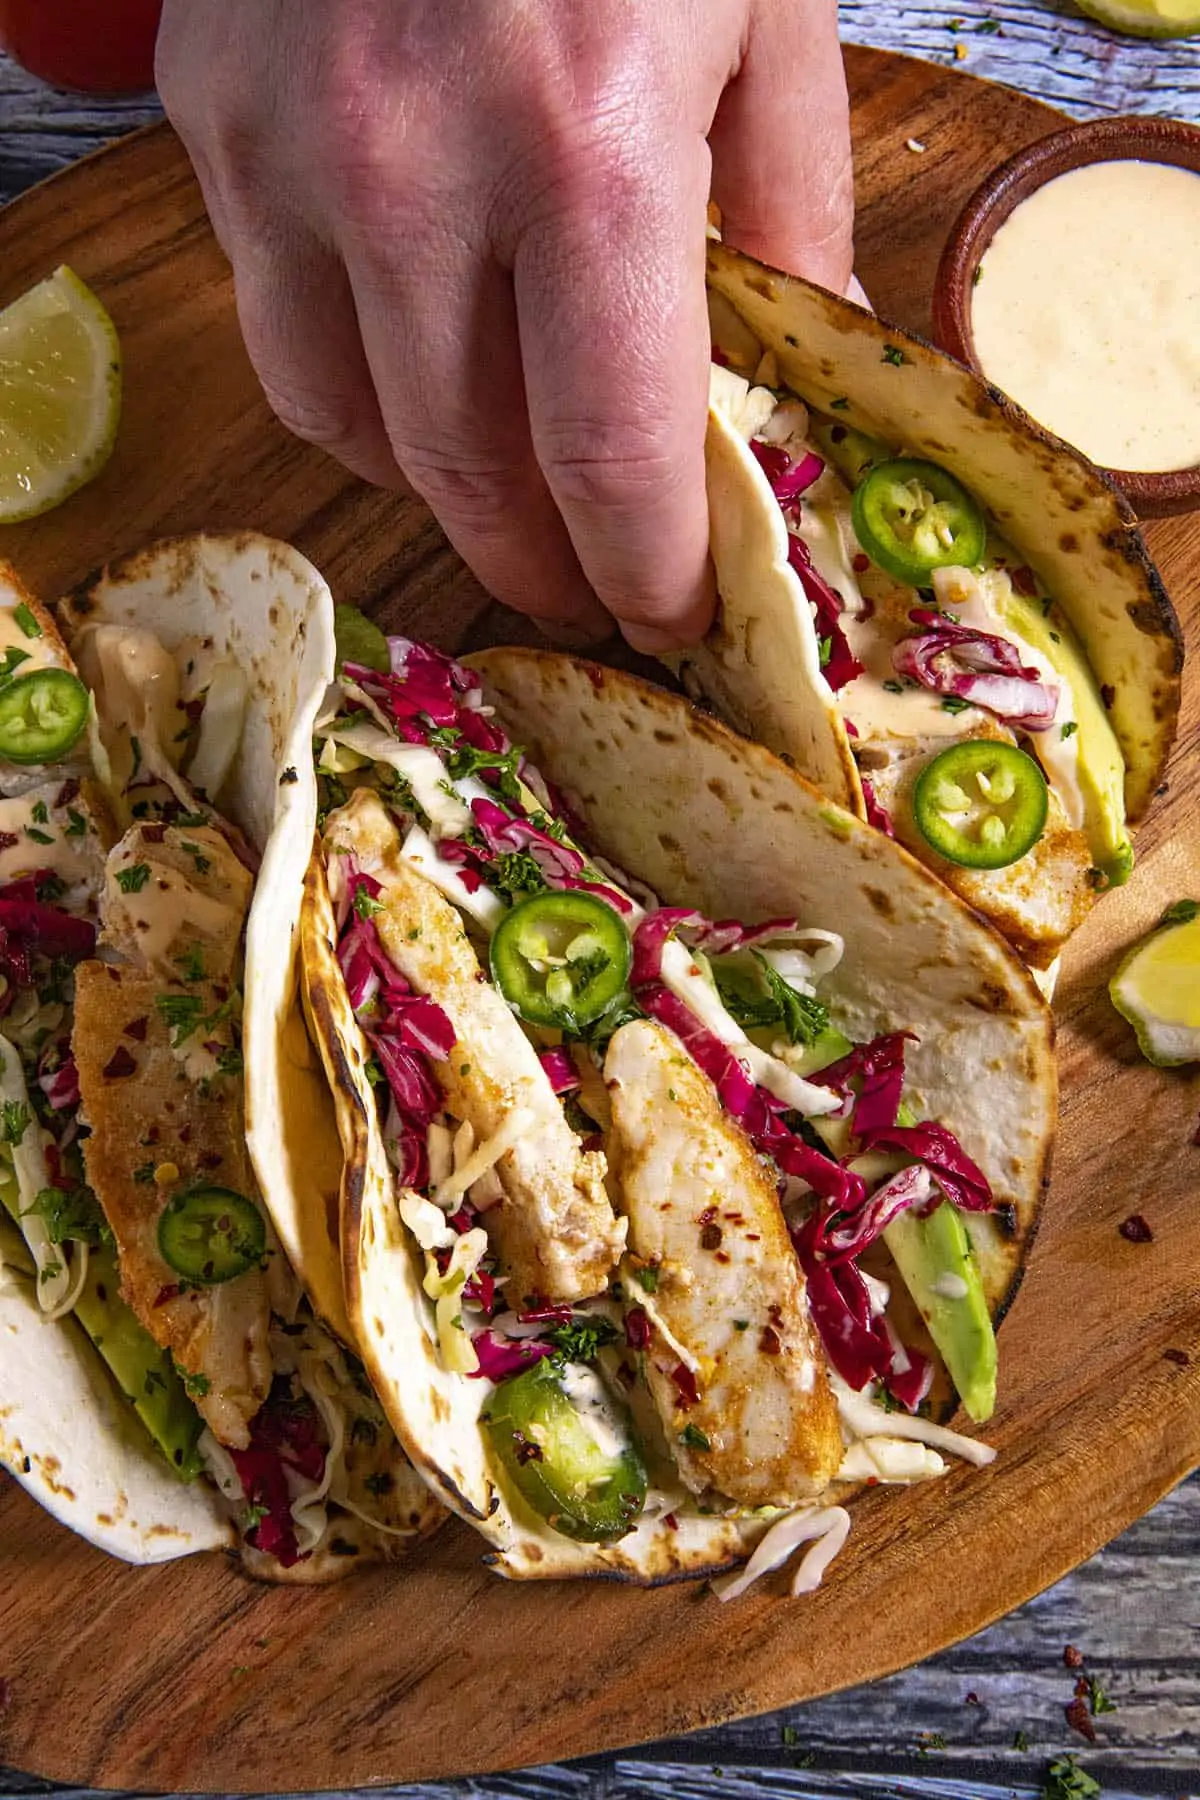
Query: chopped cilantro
x,y
16,1116
647,1278
989,27
1069,729
39,837
465,760
824,651
71,1214
770,1000
694,1438
183,1013
893,687
39,812
189,821
78,825
374,1072
195,1386
365,904
11,661
583,1339
953,704
893,354
1067,1781
517,873
789,1735
1182,912
1098,1700
134,879
203,863
190,962
25,619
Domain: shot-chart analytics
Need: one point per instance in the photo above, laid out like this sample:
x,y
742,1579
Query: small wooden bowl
x,y
1100,140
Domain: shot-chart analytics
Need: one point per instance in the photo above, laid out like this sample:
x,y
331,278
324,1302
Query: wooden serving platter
x,y
189,1676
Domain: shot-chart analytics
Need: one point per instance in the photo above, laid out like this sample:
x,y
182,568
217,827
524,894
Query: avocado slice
x,y
933,1255
145,1373
1101,764
829,1047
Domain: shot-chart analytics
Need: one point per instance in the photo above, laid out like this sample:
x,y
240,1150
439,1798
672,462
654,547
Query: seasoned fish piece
x,y
554,1228
734,1365
176,897
157,1130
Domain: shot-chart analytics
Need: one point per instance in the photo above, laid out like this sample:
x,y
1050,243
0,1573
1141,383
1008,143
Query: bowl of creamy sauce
x,y
1071,281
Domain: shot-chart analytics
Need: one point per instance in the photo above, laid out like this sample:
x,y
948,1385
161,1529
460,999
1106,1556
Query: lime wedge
x,y
1146,18
1157,988
60,394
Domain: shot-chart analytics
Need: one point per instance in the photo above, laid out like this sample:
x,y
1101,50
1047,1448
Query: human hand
x,y
468,244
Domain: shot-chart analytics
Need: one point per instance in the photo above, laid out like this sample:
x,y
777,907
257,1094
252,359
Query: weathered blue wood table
x,y
983,1721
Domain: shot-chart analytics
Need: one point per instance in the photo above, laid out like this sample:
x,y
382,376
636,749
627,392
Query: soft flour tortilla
x,y
64,1433
722,825
758,664
1068,521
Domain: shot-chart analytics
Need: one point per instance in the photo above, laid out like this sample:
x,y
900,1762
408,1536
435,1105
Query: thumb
x,y
782,171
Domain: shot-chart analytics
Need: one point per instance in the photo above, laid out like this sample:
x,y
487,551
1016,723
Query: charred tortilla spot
x,y
882,902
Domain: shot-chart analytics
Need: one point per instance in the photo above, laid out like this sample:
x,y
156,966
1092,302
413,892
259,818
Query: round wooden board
x,y
189,1676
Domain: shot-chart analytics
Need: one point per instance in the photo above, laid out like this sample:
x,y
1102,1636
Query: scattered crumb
x,y
1079,1719
915,145
1072,1657
960,53
972,1699
1136,1229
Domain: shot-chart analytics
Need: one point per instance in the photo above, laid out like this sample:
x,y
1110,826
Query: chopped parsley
x,y
1067,1781
583,1339
15,1121
893,354
11,661
229,1061
1181,913
1070,728
40,813
771,1001
465,759
39,837
182,1013
825,651
647,1278
190,963
78,824
191,820
1098,1700
893,687
516,872
989,27
694,1438
953,704
25,619
203,863
365,904
133,879
741,1324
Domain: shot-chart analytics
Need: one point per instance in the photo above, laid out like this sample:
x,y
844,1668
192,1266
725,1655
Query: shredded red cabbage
x,y
284,1435
545,1312
861,1347
789,479
564,1076
610,896
978,667
500,1357
637,1328
877,815
57,1075
28,924
841,665
839,1237
962,1181
879,1066
714,937
501,831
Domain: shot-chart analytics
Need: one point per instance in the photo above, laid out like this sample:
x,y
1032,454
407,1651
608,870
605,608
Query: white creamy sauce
x,y
1086,312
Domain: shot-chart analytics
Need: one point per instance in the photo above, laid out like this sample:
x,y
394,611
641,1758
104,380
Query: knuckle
x,y
481,490
619,466
317,418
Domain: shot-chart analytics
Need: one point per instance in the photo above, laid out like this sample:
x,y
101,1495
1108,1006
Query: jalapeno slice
x,y
981,804
567,1473
561,958
41,715
211,1234
912,517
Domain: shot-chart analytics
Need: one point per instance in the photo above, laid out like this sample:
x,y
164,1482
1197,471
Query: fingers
x,y
297,315
440,338
782,171
610,296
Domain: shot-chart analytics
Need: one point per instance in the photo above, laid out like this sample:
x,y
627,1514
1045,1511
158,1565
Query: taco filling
x,y
134,1212
648,1178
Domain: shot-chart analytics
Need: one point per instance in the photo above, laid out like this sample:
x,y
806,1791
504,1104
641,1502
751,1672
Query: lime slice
x,y
1157,988
60,394
1147,18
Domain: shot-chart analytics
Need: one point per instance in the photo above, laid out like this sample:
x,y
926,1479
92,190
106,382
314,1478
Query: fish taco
x,y
941,615
165,1385
694,1134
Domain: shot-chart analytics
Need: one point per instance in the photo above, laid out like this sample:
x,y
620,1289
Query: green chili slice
x,y
981,804
41,715
560,958
211,1234
582,1488
912,517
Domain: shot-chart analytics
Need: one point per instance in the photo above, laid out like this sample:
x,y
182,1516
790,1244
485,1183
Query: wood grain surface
x,y
244,1702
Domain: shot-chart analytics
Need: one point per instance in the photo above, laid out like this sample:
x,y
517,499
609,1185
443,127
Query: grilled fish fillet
x,y
554,1230
728,1316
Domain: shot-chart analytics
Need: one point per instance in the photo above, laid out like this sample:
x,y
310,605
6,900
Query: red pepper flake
x,y
153,834
637,1328
1108,695
710,1237
710,1212
671,1522
861,564
119,1064
972,1699
165,1294
1082,1688
1072,1658
8,840
67,792
136,1029
1136,1229
769,1343
685,1383
1078,1718
1025,582
211,1159
1180,1358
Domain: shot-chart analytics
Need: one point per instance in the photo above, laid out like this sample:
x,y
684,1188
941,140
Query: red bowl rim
x,y
1122,139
